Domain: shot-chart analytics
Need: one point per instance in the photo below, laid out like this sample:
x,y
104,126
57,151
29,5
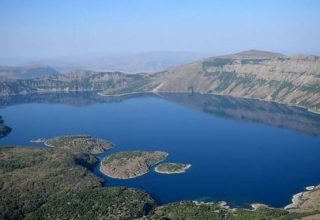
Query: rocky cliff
x,y
251,74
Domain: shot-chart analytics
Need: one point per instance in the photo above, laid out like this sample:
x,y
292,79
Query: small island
x,y
172,168
130,164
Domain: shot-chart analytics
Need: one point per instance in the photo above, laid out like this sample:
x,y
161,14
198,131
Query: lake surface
x,y
241,151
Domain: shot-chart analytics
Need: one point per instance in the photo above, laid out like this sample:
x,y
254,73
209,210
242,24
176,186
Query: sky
x,y
60,28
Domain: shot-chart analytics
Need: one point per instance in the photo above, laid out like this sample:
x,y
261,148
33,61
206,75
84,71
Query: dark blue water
x,y
236,160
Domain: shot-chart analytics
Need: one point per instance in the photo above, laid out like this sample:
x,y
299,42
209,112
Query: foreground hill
x,y
55,183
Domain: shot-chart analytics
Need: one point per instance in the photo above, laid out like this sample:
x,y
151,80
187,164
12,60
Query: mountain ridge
x,y
252,74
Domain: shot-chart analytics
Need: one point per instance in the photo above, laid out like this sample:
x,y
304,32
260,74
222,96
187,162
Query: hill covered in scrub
x,y
56,183
52,183
250,74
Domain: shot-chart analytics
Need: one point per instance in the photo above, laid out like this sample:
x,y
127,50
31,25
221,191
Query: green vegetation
x,y
30,176
252,61
311,88
225,78
98,203
281,86
191,211
49,183
172,167
80,143
216,62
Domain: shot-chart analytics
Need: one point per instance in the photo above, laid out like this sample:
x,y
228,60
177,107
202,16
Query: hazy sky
x,y
43,28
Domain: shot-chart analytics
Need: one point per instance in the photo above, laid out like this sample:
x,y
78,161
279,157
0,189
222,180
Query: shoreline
x,y
217,94
295,204
254,206
98,92
123,94
297,198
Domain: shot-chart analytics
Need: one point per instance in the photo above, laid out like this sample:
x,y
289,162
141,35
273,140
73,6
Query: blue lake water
x,y
241,151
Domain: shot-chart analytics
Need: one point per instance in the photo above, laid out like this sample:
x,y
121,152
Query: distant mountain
x,y
24,72
258,54
146,62
80,80
249,74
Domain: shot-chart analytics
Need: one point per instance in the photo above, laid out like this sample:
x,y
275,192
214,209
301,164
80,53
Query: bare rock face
x,y
80,143
130,164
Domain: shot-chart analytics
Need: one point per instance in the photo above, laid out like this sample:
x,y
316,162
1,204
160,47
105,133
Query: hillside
x,y
250,74
79,80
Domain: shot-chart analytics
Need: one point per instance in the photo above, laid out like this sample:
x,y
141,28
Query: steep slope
x,y
251,74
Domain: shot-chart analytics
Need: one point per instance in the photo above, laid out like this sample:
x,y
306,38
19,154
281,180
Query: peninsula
x,y
130,164
78,143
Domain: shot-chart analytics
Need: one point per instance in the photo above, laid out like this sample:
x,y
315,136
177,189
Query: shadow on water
x,y
4,129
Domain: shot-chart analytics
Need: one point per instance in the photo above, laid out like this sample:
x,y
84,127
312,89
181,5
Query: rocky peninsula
x,y
172,168
130,164
77,143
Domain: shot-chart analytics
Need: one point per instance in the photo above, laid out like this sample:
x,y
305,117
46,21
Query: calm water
x,y
241,151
